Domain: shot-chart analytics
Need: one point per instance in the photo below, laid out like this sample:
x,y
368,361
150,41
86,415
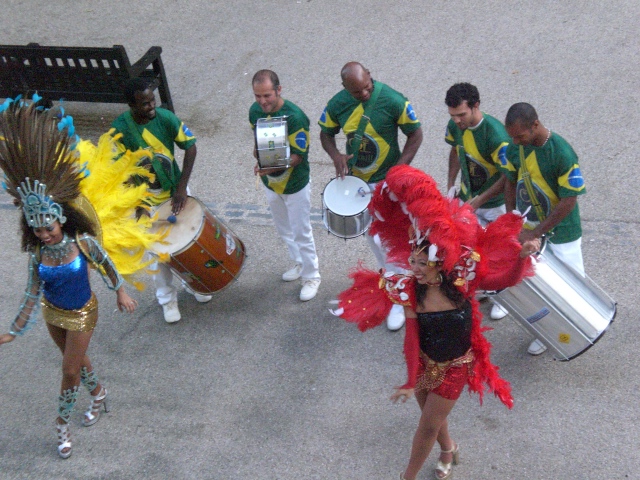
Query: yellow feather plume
x,y
115,200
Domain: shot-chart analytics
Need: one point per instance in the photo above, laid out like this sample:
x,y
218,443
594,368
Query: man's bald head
x,y
352,70
357,81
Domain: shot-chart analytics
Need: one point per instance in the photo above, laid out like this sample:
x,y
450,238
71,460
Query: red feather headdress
x,y
407,210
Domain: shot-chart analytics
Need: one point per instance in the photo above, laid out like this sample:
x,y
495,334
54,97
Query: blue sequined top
x,y
66,286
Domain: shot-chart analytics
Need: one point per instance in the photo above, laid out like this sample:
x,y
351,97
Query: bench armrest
x,y
152,55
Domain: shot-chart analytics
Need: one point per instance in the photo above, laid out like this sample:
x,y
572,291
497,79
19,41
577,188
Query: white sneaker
x,y
498,312
537,347
171,312
202,298
309,289
395,319
293,274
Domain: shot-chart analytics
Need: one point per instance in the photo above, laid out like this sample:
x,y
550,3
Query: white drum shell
x,y
560,307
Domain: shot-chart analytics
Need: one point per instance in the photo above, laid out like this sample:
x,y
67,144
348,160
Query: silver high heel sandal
x,y
66,402
64,440
445,470
90,380
92,415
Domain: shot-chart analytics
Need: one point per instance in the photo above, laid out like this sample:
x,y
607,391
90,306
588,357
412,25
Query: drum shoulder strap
x,y
464,169
362,125
168,180
526,177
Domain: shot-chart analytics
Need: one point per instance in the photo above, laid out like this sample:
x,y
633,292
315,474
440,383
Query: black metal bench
x,y
78,74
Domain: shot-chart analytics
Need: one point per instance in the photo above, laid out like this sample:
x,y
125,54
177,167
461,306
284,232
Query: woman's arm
x,y
411,355
30,306
89,246
99,257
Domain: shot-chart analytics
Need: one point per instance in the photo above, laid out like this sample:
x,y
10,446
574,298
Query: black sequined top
x,y
445,335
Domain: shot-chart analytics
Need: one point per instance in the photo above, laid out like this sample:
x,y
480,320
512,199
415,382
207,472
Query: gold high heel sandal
x,y
445,470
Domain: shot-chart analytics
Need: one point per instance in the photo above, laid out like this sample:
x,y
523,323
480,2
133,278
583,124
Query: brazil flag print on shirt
x,y
160,133
555,174
294,179
379,149
481,147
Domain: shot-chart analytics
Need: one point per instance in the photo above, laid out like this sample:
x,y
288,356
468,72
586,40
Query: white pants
x,y
165,291
379,251
291,215
488,215
570,253
163,280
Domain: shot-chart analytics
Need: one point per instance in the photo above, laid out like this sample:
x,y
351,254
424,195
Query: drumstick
x,y
171,219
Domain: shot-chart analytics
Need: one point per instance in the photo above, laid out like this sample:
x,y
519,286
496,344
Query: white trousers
x,y
570,253
379,251
163,280
488,215
291,216
165,291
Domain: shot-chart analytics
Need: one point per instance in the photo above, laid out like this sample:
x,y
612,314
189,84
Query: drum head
x,y
184,231
348,196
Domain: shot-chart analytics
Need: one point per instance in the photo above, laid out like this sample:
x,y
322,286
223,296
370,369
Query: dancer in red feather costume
x,y
450,256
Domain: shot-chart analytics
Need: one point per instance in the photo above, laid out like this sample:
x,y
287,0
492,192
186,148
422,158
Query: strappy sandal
x,y
445,470
64,440
92,415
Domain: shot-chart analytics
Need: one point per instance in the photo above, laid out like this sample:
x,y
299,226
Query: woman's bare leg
x,y
435,410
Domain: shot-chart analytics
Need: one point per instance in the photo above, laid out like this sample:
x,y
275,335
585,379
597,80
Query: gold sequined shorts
x,y
82,320
446,379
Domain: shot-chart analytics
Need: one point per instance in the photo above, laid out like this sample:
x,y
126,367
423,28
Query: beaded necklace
x,y
60,250
548,137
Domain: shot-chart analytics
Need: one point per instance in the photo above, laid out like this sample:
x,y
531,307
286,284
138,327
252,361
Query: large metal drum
x,y
560,307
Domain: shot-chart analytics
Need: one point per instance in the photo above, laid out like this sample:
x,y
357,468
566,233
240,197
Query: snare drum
x,y
204,252
564,310
344,207
272,142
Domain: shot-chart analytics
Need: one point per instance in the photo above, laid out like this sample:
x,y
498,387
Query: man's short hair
x,y
262,75
134,85
460,92
522,113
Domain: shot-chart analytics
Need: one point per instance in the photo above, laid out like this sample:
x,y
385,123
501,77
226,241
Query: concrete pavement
x,y
258,385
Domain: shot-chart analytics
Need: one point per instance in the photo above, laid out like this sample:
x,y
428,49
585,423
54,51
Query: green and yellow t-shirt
x,y
555,174
479,149
160,135
379,149
293,179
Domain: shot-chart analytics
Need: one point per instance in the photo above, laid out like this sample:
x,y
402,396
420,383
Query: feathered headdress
x,y
47,167
36,155
409,211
